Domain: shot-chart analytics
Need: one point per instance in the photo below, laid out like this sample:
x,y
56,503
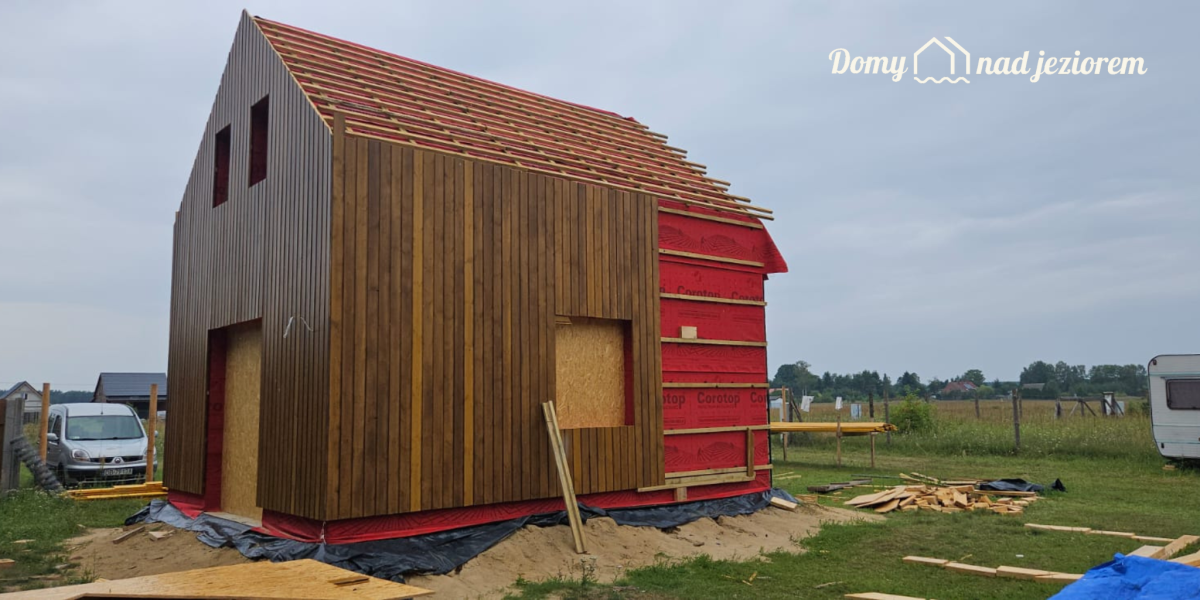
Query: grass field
x,y
1114,479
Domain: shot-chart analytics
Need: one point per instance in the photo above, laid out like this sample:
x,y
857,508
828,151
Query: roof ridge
x,y
606,113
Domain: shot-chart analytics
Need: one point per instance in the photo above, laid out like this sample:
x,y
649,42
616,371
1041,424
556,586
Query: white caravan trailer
x,y
1175,404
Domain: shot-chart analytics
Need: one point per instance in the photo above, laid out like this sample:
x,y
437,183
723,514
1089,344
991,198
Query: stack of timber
x,y
153,489
833,427
943,499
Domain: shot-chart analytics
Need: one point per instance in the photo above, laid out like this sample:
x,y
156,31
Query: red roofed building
x,y
383,268
961,387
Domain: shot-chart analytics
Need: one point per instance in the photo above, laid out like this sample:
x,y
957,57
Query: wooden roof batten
x,y
398,100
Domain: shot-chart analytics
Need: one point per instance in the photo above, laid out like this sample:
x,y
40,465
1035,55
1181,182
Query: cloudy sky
x,y
931,228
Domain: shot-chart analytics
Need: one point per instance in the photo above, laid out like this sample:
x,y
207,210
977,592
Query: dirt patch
x,y
537,553
534,553
139,555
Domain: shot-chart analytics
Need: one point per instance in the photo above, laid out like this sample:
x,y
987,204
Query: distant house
x,y
1033,386
961,387
32,396
132,389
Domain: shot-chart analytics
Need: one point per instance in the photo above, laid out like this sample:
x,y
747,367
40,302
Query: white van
x,y
1175,404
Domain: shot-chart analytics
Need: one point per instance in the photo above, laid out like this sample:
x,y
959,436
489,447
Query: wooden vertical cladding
x,y
262,254
445,298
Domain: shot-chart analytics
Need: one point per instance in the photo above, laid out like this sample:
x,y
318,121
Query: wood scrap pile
x,y
943,498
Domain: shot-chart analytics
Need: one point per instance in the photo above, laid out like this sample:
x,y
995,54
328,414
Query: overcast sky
x,y
931,228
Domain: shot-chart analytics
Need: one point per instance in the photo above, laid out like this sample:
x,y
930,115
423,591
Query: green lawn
x,y
47,521
1129,492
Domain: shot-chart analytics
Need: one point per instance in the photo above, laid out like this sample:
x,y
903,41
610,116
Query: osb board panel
x,y
305,578
239,454
589,372
263,254
418,348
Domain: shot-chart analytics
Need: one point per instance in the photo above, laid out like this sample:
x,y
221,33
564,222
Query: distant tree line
x,y
69,397
1044,380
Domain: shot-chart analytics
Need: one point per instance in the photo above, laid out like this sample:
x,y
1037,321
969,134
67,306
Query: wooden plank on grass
x,y
1192,559
880,596
1175,546
1153,539
1020,572
925,560
1124,534
971,569
1146,551
1057,528
1059,578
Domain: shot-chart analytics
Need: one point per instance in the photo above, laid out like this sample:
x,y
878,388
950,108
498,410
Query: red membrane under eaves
x,y
402,100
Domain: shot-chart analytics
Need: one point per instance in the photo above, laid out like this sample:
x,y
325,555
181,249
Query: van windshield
x,y
103,427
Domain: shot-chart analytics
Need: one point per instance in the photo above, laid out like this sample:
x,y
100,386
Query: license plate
x,y
118,472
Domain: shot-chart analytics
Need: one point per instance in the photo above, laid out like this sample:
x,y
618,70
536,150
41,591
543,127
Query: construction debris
x,y
942,499
880,596
6,563
1170,547
833,487
129,534
784,504
1001,571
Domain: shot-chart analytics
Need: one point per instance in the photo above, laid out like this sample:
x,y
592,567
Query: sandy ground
x,y
97,556
533,553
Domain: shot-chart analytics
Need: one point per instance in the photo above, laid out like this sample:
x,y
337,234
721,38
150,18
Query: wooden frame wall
x,y
262,254
446,276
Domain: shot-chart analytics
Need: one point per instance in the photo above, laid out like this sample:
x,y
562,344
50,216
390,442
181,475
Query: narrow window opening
x,y
221,168
259,118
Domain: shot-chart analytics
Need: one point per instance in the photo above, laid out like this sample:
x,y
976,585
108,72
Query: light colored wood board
x,y
888,506
1124,534
715,429
239,453
971,569
1153,539
1059,578
1176,546
881,596
296,579
1192,559
784,504
925,560
680,340
711,299
590,373
1019,572
1146,551
1057,528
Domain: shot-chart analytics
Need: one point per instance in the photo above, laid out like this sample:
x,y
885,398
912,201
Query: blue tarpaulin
x,y
1135,578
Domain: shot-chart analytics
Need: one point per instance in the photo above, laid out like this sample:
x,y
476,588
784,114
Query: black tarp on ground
x,y
433,553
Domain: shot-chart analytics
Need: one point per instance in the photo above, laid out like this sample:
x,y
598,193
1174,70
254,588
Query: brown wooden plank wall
x,y
263,254
446,276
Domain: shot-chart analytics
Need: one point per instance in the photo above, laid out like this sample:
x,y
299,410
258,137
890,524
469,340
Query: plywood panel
x,y
590,373
239,453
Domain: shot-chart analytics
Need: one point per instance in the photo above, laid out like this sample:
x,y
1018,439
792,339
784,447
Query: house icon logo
x,y
933,56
